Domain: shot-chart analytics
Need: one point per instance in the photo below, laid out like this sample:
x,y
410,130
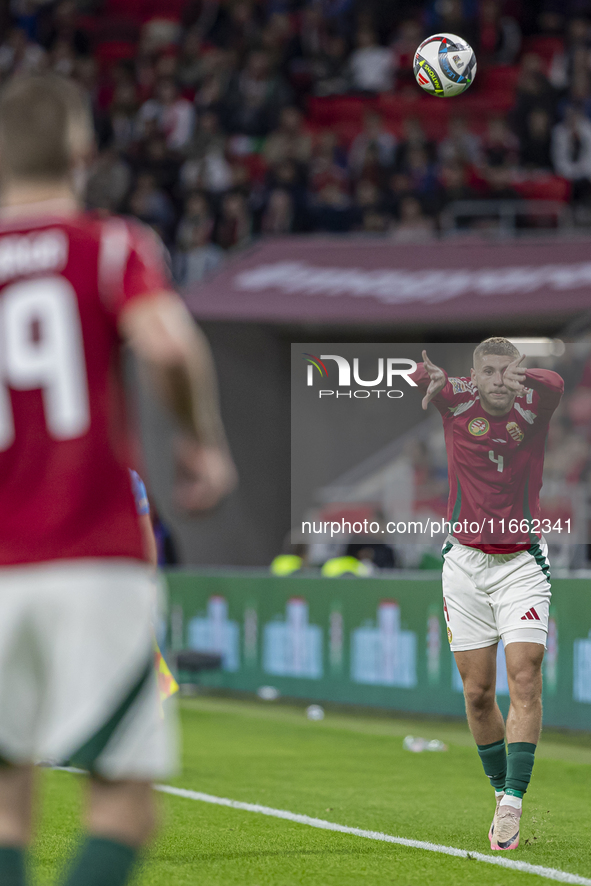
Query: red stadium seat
x,y
545,47
500,78
548,187
113,51
338,109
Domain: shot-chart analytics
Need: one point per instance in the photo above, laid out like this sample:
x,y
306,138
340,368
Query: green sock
x,y
12,866
494,760
101,862
520,762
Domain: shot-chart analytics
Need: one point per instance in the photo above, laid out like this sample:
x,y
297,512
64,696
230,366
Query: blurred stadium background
x,y
308,191
270,133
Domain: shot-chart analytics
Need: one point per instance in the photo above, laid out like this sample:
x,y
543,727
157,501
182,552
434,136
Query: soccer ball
x,y
444,65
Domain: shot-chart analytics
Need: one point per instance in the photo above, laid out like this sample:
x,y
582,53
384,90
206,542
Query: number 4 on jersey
x,y
497,459
41,348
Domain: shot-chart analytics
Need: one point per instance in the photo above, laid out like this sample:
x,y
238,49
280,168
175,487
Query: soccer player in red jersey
x,y
77,679
496,575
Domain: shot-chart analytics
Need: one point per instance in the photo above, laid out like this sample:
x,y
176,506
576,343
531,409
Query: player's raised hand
x,y
204,475
437,380
514,376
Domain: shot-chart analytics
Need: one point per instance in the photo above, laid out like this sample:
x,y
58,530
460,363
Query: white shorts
x,y
77,678
488,597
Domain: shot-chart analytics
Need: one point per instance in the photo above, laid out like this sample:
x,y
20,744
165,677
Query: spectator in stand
x,y
331,68
279,215
534,152
579,93
533,91
369,212
423,175
290,140
255,97
330,209
374,135
289,175
123,115
154,158
452,17
371,66
191,63
63,28
328,163
311,37
460,145
499,37
575,54
206,165
109,180
399,187
414,137
237,27
19,55
207,137
152,205
413,224
173,114
453,186
404,45
498,184
500,146
571,152
62,58
234,226
198,256
197,212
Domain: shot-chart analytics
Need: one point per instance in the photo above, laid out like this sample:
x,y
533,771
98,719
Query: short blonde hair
x,y
501,347
43,121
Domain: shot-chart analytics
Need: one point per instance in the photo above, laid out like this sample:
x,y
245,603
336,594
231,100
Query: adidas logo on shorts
x,y
532,615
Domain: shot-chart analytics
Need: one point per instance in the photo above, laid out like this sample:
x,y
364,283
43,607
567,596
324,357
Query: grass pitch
x,y
346,769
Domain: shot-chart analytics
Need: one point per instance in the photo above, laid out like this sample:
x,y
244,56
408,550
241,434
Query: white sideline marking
x,y
501,861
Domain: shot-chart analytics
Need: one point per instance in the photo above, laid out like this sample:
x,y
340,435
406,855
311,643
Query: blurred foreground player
x,y
496,575
167,685
77,679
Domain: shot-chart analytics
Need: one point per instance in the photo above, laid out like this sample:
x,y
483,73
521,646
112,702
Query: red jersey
x,y
495,463
65,490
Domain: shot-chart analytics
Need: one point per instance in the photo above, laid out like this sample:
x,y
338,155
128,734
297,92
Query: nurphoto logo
x,y
389,370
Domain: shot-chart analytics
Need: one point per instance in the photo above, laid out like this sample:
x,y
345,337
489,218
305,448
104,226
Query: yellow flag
x,y
167,685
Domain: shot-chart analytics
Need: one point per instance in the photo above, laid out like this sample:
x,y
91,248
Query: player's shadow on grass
x,y
287,853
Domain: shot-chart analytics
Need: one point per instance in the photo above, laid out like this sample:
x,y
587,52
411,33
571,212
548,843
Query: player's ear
x,y
473,375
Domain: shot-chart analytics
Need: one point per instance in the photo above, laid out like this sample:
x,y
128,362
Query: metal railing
x,y
506,214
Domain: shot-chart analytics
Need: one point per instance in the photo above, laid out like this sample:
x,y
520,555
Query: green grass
x,y
347,769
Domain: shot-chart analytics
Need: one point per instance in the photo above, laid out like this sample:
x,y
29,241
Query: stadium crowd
x,y
219,120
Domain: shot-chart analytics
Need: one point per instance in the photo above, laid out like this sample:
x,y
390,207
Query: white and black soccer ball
x,y
444,65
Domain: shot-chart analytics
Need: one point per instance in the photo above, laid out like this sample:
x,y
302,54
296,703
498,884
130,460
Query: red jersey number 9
x,y
41,348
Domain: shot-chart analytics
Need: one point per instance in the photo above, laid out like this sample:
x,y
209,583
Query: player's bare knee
x,y
480,697
124,810
525,685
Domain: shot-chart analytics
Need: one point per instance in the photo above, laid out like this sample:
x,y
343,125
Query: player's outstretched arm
x,y
162,334
514,376
437,380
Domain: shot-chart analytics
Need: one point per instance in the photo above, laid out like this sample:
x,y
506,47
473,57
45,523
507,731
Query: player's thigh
x,y
478,668
524,670
101,709
20,670
468,613
522,601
